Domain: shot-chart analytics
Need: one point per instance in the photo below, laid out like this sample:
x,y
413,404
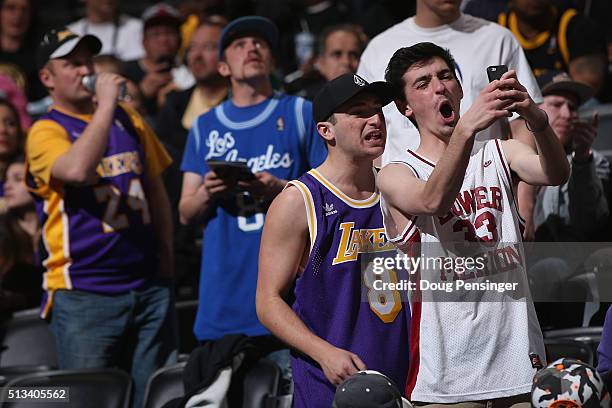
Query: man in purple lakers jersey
x,y
94,167
314,237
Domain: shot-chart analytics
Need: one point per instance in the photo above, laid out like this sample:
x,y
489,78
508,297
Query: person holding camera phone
x,y
451,197
156,73
275,135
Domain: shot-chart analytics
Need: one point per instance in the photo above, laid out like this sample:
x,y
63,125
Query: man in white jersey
x,y
443,196
475,44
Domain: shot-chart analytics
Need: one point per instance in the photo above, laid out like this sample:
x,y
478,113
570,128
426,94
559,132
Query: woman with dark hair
x,y
11,142
20,272
18,39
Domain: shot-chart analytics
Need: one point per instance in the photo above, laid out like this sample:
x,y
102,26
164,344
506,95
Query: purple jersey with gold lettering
x,y
334,295
97,238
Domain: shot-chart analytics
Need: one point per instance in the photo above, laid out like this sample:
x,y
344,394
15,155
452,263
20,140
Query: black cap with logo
x,y
368,389
161,14
337,91
59,42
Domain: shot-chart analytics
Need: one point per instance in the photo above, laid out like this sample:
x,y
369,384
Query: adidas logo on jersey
x,y
487,163
329,209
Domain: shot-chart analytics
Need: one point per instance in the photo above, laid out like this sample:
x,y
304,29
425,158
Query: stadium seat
x,y
9,373
26,340
165,384
583,334
587,335
261,385
258,388
91,388
558,348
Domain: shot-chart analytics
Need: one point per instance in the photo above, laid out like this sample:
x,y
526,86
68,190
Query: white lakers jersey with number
x,y
475,344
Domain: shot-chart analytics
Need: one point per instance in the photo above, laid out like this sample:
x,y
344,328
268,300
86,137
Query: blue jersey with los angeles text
x,y
277,135
335,295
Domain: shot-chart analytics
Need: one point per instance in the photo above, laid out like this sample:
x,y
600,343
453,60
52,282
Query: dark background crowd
x,y
168,53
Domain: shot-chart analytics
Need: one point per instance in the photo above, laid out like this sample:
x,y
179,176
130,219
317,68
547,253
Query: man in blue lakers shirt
x,y
314,240
94,167
274,135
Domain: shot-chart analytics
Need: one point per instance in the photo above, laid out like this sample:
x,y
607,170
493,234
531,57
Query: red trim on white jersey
x,y
421,158
415,338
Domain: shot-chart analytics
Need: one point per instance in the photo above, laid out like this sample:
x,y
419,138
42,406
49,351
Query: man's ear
x,y
45,77
403,107
326,131
224,69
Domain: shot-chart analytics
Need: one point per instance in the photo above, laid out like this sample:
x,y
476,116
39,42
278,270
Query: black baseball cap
x,y
553,82
161,14
249,25
368,389
59,42
339,90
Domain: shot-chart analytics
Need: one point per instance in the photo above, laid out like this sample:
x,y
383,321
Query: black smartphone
x,y
232,169
496,71
168,61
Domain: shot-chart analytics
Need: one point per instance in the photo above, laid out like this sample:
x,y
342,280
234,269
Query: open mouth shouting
x,y
447,112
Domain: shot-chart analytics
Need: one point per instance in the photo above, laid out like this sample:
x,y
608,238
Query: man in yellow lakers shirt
x,y
94,167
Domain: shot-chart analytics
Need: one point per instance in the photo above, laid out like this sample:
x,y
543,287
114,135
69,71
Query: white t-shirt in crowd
x,y
182,77
123,39
473,42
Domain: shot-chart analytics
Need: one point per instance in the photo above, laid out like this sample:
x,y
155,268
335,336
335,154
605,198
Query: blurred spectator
x,y
159,71
10,91
110,63
17,40
474,43
558,39
577,211
194,12
183,107
11,142
20,270
95,168
339,49
174,121
121,35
